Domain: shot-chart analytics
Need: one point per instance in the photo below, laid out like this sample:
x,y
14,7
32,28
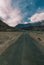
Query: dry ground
x,y
39,37
6,39
23,52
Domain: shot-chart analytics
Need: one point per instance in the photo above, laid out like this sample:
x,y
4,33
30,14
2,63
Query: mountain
x,y
31,24
23,25
19,27
5,27
39,23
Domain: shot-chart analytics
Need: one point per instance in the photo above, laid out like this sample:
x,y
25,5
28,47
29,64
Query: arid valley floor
x,y
22,48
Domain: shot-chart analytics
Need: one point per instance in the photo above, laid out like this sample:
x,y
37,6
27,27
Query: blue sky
x,y
22,10
28,6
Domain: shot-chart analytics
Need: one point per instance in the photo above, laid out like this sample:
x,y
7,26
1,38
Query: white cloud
x,y
14,18
37,17
10,16
25,22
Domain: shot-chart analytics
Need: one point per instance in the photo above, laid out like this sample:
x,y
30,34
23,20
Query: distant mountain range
x,y
29,26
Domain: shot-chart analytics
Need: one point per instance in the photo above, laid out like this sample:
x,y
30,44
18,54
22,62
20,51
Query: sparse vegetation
x,y
39,37
6,39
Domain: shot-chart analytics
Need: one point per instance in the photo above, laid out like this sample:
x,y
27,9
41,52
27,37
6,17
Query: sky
x,y
14,12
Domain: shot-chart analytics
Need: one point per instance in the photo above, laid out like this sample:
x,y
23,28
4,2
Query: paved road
x,y
23,52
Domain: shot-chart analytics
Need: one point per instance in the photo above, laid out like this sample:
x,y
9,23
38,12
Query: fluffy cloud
x,y
9,15
14,18
37,17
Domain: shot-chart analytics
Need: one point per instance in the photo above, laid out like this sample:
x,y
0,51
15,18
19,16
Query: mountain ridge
x,y
36,26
